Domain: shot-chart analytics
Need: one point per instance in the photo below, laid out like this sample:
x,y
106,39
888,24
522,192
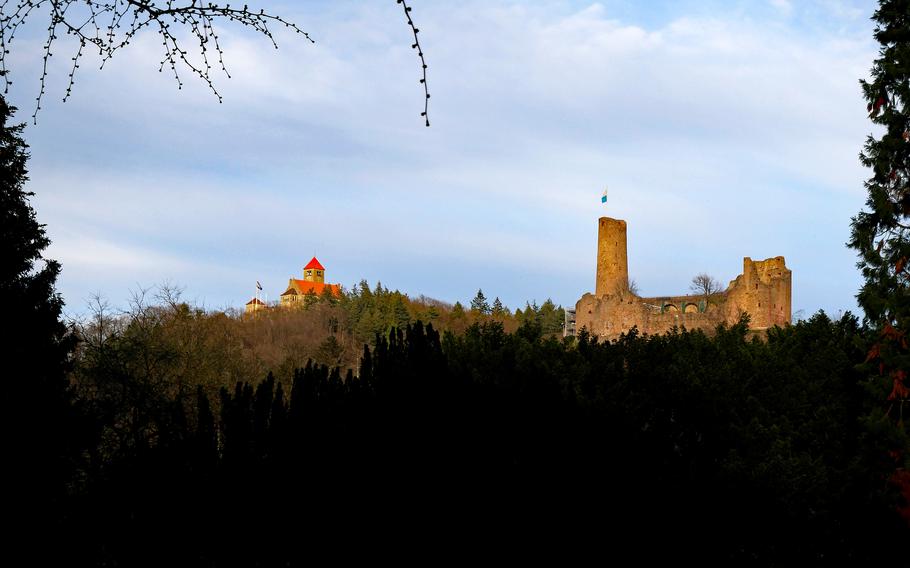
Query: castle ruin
x,y
762,291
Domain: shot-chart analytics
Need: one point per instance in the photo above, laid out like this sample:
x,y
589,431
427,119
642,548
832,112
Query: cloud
x,y
721,135
782,6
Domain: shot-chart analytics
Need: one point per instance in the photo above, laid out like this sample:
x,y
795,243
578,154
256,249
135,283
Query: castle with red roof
x,y
311,285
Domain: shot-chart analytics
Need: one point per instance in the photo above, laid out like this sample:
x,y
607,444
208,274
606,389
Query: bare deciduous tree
x,y
629,287
705,285
110,25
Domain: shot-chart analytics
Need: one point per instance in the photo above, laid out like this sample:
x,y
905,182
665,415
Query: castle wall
x,y
610,315
763,291
612,259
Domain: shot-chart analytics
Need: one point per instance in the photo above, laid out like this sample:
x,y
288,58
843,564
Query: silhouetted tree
x,y
47,431
479,304
206,450
881,235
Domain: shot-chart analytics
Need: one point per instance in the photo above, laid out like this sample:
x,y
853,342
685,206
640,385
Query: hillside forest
x,y
380,425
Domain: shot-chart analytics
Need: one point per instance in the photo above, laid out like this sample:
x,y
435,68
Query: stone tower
x,y
314,272
763,290
612,261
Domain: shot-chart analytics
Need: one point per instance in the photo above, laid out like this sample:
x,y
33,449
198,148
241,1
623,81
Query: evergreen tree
x,y
479,304
498,309
328,296
310,298
206,450
552,317
401,316
881,235
47,431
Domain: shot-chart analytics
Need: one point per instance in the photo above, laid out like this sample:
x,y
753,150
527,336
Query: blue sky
x,y
722,129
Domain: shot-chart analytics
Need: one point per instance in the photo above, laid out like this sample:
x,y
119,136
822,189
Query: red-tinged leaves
x,y
879,102
901,480
899,267
899,390
873,352
891,333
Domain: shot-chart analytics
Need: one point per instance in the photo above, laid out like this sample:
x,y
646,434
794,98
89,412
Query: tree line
x,y
730,449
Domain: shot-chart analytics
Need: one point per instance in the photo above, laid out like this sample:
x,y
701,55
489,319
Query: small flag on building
x,y
603,198
258,286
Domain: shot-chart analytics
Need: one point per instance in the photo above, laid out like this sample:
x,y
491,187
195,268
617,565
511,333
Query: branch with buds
x,y
110,25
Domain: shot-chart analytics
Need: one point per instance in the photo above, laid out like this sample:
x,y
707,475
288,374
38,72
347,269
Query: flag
x,y
258,286
603,198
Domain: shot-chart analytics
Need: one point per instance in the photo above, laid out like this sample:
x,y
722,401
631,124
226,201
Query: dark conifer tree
x,y
498,309
881,235
479,304
206,450
47,433
262,408
279,414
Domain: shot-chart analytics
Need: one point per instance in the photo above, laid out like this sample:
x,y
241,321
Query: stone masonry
x,y
762,291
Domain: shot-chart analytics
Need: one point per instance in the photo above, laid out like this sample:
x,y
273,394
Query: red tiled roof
x,y
314,264
255,301
296,286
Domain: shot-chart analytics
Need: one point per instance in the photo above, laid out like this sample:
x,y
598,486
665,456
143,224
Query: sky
x,y
722,129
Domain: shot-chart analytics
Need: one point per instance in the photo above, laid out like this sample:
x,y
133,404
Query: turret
x,y
612,262
314,272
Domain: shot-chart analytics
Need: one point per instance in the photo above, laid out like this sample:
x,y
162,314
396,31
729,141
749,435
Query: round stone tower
x,y
612,261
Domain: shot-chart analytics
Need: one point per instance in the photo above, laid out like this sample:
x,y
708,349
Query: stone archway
x,y
691,309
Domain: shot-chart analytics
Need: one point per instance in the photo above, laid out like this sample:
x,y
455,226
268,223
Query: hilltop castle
x,y
312,284
762,291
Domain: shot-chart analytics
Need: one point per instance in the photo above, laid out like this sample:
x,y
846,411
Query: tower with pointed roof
x,y
312,285
314,271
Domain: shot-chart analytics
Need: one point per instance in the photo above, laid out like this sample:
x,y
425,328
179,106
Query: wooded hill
x,y
722,448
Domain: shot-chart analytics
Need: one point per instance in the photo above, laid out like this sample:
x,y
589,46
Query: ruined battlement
x,y
763,290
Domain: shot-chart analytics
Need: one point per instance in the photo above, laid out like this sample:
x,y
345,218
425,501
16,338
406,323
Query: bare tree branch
x,y
110,25
423,63
705,285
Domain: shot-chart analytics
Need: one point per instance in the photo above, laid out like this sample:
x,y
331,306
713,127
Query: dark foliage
x,y
881,236
46,431
718,448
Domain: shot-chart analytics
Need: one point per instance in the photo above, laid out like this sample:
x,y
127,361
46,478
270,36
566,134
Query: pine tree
x,y
47,431
400,312
881,235
498,309
206,450
479,304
